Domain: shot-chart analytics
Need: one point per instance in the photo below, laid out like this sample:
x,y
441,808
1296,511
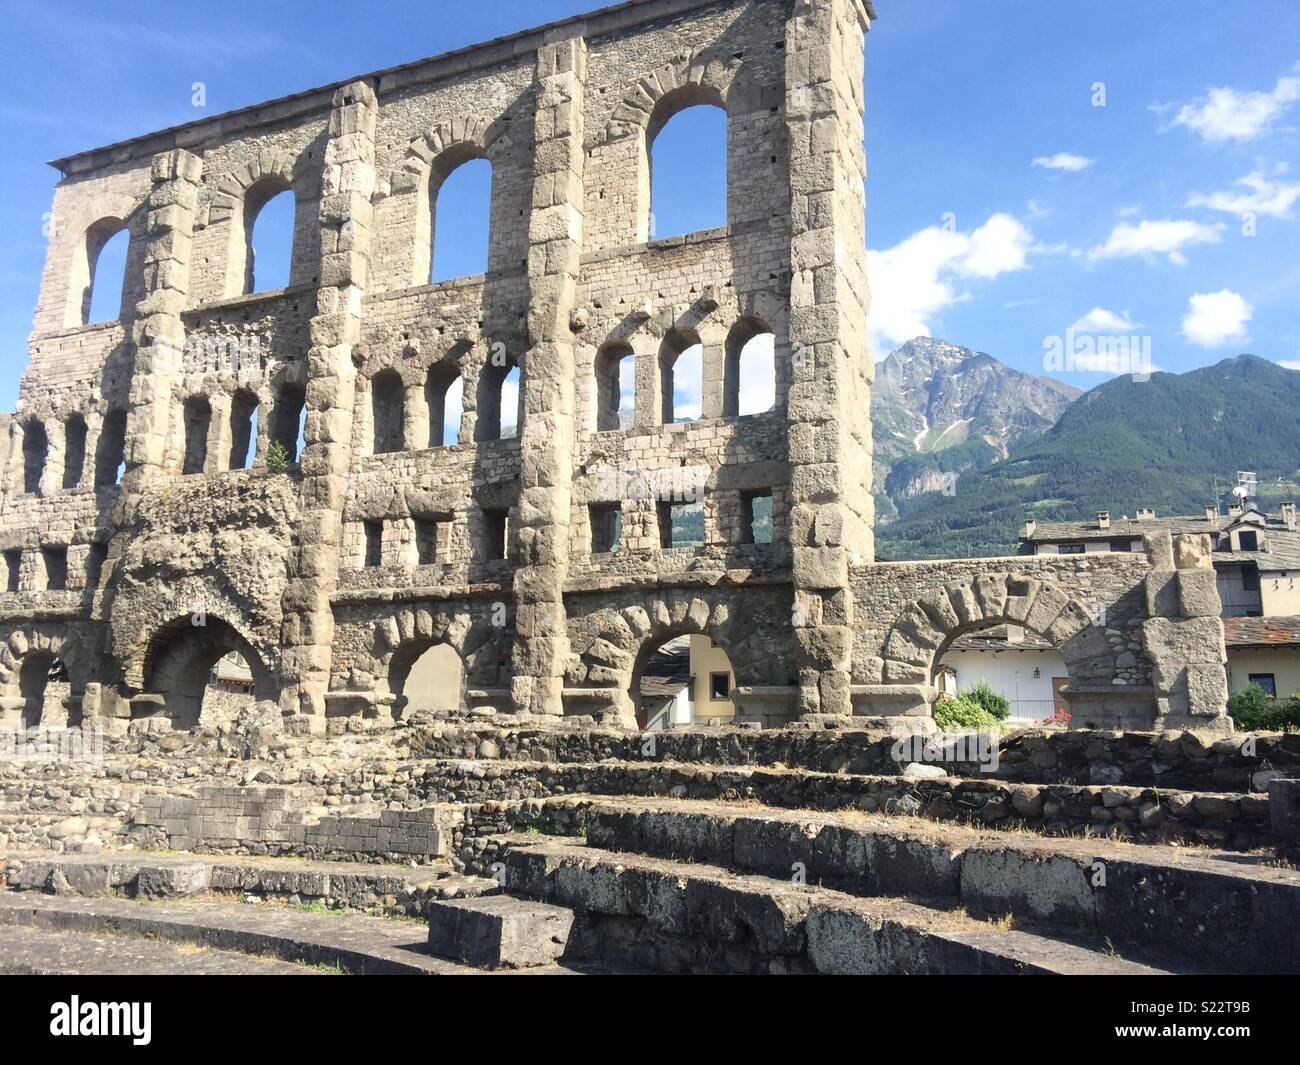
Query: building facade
x,y
139,550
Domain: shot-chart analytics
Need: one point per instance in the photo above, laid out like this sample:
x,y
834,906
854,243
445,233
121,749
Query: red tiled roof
x,y
1261,632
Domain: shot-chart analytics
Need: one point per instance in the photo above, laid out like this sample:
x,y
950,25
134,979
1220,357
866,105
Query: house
x,y
687,681
1256,557
1019,665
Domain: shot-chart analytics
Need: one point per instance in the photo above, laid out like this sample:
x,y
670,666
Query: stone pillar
x,y
1183,634
547,379
158,331
345,233
831,369
217,457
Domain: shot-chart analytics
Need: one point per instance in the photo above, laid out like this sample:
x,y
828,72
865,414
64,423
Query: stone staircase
x,y
686,886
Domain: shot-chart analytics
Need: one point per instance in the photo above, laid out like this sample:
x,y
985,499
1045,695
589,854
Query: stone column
x,y
1183,634
831,369
335,329
158,331
547,379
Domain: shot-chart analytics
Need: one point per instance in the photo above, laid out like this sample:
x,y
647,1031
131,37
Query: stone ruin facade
x,y
135,556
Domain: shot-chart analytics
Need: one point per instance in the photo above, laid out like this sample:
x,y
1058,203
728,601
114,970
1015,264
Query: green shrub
x,y
277,458
981,693
960,713
1253,710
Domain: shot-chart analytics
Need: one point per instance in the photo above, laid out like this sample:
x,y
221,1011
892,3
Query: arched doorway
x,y
202,673
426,675
684,679
46,692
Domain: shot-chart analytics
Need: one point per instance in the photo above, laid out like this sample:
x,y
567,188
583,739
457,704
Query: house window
x,y
1249,579
1266,681
1249,540
1121,545
719,686
606,528
1070,549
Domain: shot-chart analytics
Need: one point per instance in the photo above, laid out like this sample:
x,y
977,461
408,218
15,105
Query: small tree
x,y
277,458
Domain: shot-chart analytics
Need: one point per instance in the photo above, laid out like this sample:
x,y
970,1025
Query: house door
x,y
1058,700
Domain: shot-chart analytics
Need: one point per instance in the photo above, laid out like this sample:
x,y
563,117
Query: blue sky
x,y
1004,207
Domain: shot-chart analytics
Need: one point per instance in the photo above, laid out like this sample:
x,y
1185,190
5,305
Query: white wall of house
x,y
1011,673
1280,593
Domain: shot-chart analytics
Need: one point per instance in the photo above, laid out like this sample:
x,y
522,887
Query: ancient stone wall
x,y
137,549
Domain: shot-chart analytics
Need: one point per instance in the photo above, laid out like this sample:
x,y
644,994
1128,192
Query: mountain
x,y
938,408
1158,443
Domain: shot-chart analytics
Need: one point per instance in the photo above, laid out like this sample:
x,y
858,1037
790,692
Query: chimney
x,y
1288,514
1211,513
1234,510
1030,525
1103,519
1146,514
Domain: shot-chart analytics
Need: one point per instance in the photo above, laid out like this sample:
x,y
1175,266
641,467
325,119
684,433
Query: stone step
x,y
1146,815
499,932
1181,760
349,942
1215,909
37,952
669,916
347,885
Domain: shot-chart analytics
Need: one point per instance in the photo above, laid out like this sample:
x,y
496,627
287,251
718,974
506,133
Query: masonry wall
x,y
358,538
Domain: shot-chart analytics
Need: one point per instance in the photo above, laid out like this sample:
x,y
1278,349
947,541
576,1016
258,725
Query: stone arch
x,y
239,197
612,659
41,643
86,232
429,160
401,638
928,625
684,81
746,329
176,662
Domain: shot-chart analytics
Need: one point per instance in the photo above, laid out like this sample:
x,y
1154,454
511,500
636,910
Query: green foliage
x,y
1122,445
277,458
995,704
960,713
1253,710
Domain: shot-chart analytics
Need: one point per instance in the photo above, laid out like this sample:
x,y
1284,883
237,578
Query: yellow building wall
x,y
1283,663
1279,594
707,658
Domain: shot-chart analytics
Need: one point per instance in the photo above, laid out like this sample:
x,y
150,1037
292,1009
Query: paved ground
x,y
40,952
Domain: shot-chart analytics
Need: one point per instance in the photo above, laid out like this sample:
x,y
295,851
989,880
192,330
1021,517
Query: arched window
x,y
74,451
681,377
687,162
387,397
110,452
198,420
444,393
460,208
36,448
243,429
615,386
498,402
107,244
289,420
269,214
749,372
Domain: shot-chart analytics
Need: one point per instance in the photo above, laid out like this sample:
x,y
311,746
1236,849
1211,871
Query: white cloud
x,y
1289,364
916,279
1063,161
1214,318
1155,237
1263,195
1100,320
1224,114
